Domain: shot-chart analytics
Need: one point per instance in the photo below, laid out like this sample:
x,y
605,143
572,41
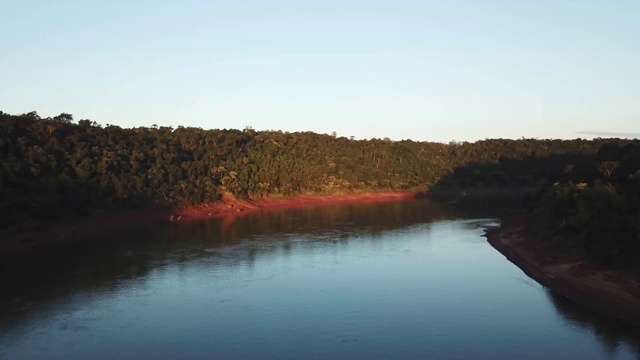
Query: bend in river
x,y
408,279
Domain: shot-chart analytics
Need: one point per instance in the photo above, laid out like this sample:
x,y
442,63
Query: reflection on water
x,y
403,280
104,262
610,332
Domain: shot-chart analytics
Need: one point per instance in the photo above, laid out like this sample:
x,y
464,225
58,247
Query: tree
x,y
64,118
607,167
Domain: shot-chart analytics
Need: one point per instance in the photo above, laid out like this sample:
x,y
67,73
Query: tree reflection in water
x,y
608,331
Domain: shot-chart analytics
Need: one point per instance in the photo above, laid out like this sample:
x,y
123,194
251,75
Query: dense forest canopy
x,y
597,216
54,167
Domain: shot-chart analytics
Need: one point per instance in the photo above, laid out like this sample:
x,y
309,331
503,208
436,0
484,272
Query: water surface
x,y
391,280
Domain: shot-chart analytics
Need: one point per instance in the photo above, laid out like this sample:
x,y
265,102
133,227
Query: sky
x,y
422,70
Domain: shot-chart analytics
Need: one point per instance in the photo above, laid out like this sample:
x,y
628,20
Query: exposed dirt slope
x,y
616,293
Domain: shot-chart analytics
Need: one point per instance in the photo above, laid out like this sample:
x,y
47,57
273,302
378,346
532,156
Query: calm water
x,y
393,280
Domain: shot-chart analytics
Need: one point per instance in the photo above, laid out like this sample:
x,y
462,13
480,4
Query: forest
x,y
56,168
598,216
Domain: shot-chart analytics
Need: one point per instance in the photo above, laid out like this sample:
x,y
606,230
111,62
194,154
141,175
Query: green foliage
x,y
52,168
599,218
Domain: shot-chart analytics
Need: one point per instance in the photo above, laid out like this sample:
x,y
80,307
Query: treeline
x,y
597,216
56,167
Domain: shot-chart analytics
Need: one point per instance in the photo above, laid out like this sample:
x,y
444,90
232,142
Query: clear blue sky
x,y
424,70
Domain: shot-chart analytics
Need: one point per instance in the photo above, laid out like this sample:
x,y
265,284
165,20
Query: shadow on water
x,y
612,334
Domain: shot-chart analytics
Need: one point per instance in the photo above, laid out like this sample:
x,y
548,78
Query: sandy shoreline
x,y
615,293
77,229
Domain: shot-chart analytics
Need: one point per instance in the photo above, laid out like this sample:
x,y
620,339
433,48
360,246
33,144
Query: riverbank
x,y
232,206
615,293
77,229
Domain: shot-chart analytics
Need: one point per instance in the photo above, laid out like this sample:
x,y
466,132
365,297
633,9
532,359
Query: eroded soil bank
x,y
232,206
615,293
82,228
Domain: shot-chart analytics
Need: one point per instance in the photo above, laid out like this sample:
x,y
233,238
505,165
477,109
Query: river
x,y
397,280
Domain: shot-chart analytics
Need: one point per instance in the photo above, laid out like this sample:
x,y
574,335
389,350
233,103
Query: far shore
x,y
614,293
231,207
77,229
82,228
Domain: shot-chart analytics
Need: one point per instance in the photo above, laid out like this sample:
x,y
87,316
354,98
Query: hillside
x,y
55,168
